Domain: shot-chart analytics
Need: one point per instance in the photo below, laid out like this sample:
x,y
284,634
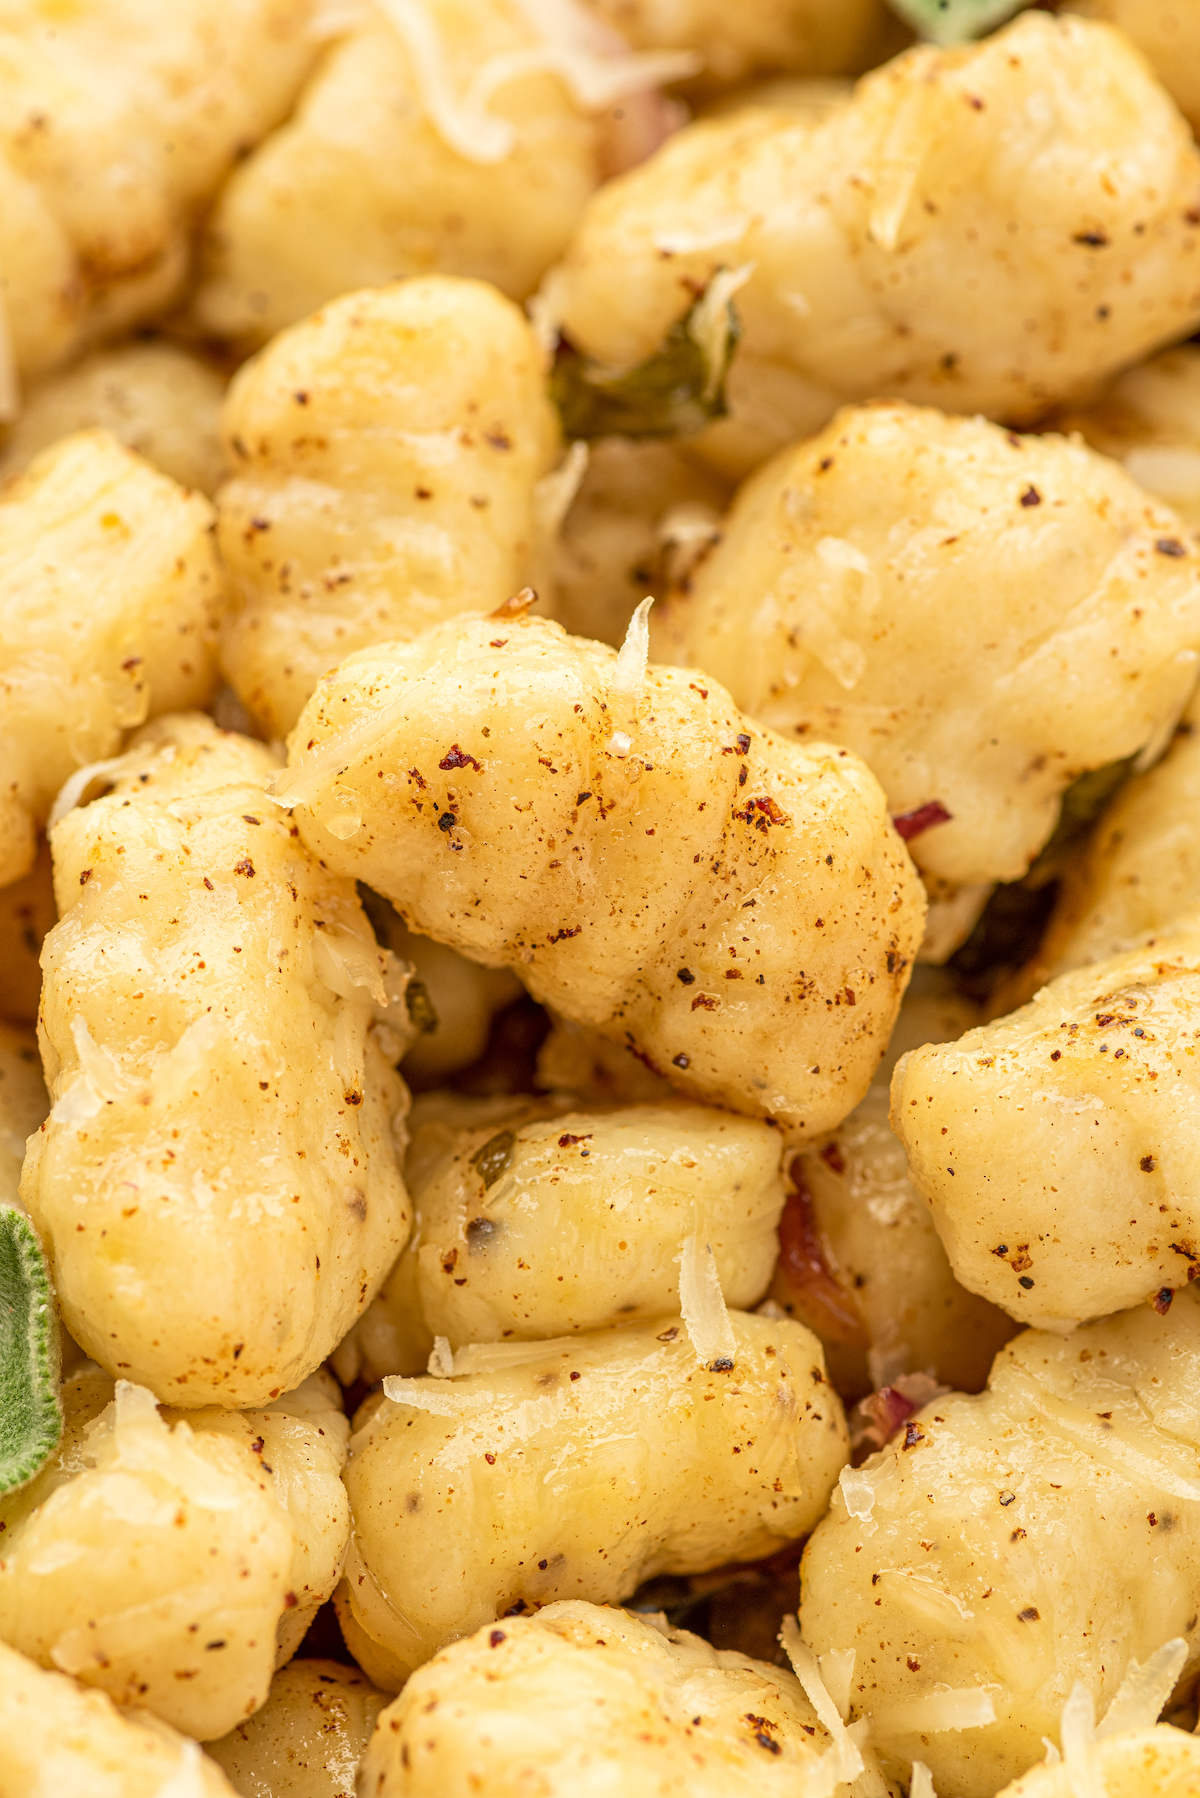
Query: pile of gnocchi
x,y
600,817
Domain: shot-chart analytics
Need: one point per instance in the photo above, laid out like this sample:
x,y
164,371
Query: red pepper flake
x,y
1031,496
922,818
914,1435
1170,546
566,1142
561,936
1161,1302
1030,1614
245,866
769,813
458,758
85,877
497,1635
706,1001
1148,1165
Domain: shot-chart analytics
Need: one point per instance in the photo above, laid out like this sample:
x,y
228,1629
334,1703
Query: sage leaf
x,y
955,21
30,1411
673,393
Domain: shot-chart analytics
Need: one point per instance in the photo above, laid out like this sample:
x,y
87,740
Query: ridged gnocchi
x,y
628,842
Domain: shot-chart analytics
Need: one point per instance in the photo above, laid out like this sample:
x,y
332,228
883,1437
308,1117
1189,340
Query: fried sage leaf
x,y
677,390
955,21
30,1413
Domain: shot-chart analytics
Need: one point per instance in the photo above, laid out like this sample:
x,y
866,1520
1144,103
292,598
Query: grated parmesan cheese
x,y
629,676
922,1782
702,1304
845,1757
1145,1689
595,65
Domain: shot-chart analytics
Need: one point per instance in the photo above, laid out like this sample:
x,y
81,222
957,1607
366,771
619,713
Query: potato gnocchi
x,y
57,1736
630,566
309,1737
210,1001
931,620
426,769
609,1198
1054,1147
587,1464
344,526
993,228
110,596
169,1561
120,121
1003,1547
574,1721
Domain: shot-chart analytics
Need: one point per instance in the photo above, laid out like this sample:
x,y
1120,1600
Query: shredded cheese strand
x,y
702,1304
1145,1689
847,1757
567,47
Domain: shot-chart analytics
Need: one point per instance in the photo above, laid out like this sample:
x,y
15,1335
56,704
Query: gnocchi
x,y
1042,171
482,776
57,1736
455,137
168,1561
586,1465
209,1004
119,122
344,524
576,1723
309,1737
1054,1146
110,596
922,588
1003,1547
549,1226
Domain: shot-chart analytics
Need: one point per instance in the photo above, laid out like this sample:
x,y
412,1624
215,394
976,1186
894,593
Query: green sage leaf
x,y
955,21
495,1156
674,392
30,1412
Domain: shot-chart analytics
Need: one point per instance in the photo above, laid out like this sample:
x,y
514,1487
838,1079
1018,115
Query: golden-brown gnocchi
x,y
457,137
110,594
58,1737
118,122
992,228
386,455
1003,1547
585,1466
581,1700
1149,421
223,1101
735,907
1055,1146
982,617
1167,32
155,398
170,1562
551,1225
308,1738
